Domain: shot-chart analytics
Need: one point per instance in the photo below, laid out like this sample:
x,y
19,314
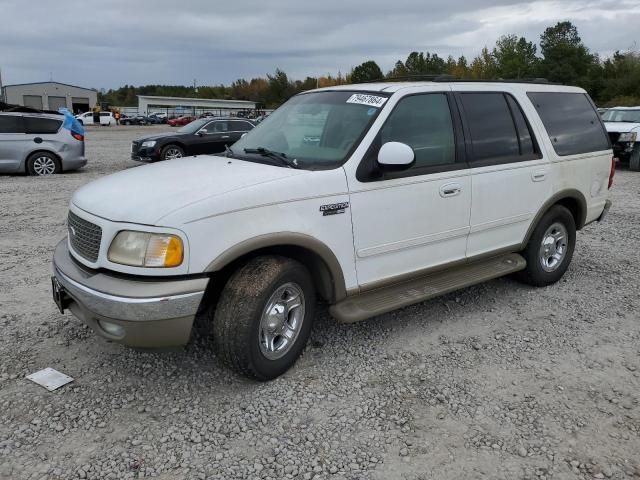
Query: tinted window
x,y
41,125
240,126
218,127
10,124
493,133
571,121
105,114
525,138
424,123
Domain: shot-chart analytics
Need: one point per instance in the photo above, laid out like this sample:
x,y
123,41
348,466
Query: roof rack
x,y
443,77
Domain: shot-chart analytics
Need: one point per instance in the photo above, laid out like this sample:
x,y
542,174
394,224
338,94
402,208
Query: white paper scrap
x,y
50,379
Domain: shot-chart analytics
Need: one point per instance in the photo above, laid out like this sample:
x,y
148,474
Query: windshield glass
x,y
315,130
193,127
622,116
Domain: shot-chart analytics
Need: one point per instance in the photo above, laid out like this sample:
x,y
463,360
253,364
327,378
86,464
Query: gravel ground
x,y
498,381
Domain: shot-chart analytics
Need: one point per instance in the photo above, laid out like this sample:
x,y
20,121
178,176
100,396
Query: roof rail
x,y
443,77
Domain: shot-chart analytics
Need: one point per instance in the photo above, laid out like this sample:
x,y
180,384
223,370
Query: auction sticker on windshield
x,y
370,100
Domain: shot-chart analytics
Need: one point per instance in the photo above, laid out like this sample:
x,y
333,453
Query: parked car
x,y
371,197
623,125
38,144
134,120
156,119
180,121
106,119
204,136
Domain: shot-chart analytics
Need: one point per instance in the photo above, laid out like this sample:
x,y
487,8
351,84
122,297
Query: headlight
x,y
628,137
142,249
149,143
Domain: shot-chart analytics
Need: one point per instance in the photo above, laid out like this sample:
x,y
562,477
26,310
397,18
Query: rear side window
x,y
239,126
11,124
571,121
41,125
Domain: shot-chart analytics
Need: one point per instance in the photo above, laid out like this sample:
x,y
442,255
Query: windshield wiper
x,y
281,157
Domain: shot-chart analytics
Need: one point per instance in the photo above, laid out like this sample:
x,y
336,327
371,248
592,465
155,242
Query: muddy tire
x,y
550,248
264,316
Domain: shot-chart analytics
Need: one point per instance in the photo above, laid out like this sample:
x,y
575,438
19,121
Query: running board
x,y
385,299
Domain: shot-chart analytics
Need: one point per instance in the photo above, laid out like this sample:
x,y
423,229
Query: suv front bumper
x,y
140,313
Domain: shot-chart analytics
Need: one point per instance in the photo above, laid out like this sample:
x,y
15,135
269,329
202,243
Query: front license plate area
x,y
60,296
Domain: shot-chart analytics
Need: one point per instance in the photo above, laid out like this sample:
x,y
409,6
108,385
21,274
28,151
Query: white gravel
x,y
499,381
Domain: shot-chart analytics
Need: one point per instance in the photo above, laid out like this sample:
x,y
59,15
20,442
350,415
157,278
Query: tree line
x,y
560,57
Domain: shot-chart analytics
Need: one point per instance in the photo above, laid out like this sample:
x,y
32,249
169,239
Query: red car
x,y
180,121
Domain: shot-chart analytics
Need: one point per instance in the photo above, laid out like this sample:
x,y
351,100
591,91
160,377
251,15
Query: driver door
x,y
418,218
212,137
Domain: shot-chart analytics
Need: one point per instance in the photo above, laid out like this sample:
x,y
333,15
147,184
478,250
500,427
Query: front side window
x,y
218,127
571,121
493,133
424,123
318,130
11,124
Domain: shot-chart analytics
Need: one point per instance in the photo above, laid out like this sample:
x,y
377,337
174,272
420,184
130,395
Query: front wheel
x,y
171,152
263,318
550,248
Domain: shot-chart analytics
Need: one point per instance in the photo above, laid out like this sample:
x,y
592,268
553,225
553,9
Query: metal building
x,y
179,105
51,96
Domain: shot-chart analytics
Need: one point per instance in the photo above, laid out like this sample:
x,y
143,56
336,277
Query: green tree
x,y
565,58
366,72
484,66
515,57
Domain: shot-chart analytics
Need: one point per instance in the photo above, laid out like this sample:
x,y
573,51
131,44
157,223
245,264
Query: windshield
x,y
193,127
315,130
622,116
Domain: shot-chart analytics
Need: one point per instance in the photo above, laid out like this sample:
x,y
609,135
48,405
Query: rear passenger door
x,y
509,175
12,142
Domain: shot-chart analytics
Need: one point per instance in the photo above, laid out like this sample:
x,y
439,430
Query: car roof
x,y
623,108
54,116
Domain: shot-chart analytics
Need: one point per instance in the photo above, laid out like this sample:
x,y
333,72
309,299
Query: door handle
x,y
539,175
225,136
450,190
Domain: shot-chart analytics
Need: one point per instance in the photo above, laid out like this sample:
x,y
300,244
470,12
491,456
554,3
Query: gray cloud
x,y
108,44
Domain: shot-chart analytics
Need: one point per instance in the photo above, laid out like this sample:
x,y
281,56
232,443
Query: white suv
x,y
369,197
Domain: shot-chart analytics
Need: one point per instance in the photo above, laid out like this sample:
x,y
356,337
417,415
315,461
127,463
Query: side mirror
x,y
396,155
202,132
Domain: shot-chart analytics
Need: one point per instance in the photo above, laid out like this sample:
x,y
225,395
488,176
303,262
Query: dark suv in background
x,y
204,136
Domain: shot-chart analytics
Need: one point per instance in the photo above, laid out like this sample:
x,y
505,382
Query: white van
x,y
106,119
370,197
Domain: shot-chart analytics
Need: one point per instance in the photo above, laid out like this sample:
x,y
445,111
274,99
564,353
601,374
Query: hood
x,y
147,193
621,127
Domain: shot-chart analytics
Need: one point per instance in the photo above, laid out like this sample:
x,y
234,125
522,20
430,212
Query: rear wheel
x,y
171,152
550,248
634,160
264,315
43,163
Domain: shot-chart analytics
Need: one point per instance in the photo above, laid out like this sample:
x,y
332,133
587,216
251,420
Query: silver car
x,y
38,144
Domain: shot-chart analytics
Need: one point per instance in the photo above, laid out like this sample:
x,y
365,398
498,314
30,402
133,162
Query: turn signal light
x,y
613,172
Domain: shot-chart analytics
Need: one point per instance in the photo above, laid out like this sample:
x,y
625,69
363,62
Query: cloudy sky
x,y
115,42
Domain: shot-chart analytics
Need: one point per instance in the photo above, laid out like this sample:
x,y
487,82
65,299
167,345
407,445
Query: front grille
x,y
614,136
135,146
84,236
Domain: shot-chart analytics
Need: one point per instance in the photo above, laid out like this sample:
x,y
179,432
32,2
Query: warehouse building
x,y
51,96
191,106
